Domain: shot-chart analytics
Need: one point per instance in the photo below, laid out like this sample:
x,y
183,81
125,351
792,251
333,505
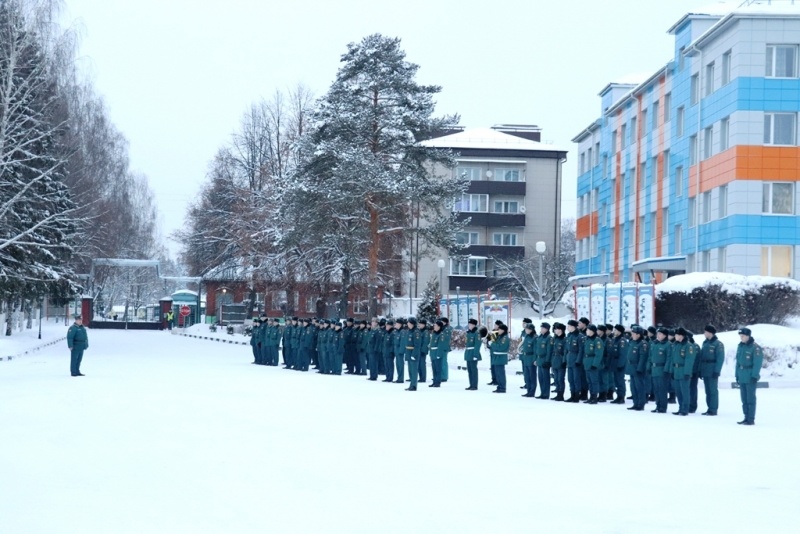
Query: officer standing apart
x,y
77,341
749,358
712,356
499,352
472,354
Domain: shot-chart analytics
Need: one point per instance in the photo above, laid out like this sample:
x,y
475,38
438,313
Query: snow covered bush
x,y
729,301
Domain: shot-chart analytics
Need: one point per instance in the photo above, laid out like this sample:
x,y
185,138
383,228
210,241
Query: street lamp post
x,y
441,286
40,318
458,307
541,248
411,277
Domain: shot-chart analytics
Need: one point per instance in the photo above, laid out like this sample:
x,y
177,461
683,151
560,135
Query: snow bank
x,y
781,351
735,284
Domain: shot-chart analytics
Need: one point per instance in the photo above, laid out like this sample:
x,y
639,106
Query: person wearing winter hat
x,y
583,324
543,360
574,348
749,358
616,366
387,350
472,353
604,334
496,329
399,350
499,357
413,345
527,354
558,359
337,348
636,367
447,333
435,349
681,363
657,360
423,349
593,352
525,322
712,357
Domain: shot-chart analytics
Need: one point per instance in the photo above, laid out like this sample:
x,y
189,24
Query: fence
x,y
616,303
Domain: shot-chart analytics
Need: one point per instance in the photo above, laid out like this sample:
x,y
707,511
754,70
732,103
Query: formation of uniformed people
x,y
663,365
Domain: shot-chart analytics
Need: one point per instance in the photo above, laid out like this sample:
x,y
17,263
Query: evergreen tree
x,y
429,302
363,172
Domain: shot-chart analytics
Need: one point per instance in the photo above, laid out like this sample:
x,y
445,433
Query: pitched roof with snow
x,y
488,139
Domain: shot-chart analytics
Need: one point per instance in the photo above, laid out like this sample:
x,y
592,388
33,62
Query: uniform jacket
x,y
499,350
426,340
473,346
77,337
558,351
388,343
593,352
288,336
712,357
436,344
636,356
413,344
527,350
617,359
447,333
681,360
306,338
574,348
657,357
749,358
542,350
336,342
255,335
399,342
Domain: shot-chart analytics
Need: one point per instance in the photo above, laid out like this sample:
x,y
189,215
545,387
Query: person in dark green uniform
x,y
374,348
362,342
388,350
305,345
583,324
525,322
602,331
413,344
617,366
435,345
337,348
681,363
558,359
574,361
423,350
399,349
542,350
749,358
593,349
657,361
491,367
77,342
255,341
695,379
472,353
527,353
712,357
447,337
636,366
499,355
274,342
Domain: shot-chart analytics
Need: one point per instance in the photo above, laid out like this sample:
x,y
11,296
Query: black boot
x,y
671,399
592,399
602,398
559,397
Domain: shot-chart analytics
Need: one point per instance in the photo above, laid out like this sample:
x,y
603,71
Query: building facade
x,y
513,201
696,168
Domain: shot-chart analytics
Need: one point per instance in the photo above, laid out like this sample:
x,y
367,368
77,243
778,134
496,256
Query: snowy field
x,y
172,434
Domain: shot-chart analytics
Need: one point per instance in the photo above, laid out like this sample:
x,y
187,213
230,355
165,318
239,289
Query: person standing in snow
x,y
558,359
657,360
681,364
413,344
255,341
388,351
399,350
527,353
77,341
434,345
542,351
337,348
593,352
447,337
472,353
749,358
636,367
525,322
499,356
712,356
693,382
583,324
620,343
423,350
574,347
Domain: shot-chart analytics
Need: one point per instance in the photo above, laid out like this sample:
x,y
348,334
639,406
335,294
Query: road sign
x,y
185,311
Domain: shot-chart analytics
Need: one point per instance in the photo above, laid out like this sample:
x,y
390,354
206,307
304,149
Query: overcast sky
x,y
178,74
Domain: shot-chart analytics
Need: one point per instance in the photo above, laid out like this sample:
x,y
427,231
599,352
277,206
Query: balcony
x,y
493,251
482,187
468,284
493,219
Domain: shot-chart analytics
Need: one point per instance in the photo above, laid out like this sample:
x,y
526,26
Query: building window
x,y
634,131
665,169
504,240
605,167
468,267
667,107
693,150
614,142
469,173
726,68
694,90
709,78
781,61
642,175
779,128
603,261
655,115
583,162
311,304
473,203
278,298
723,201
692,212
664,222
724,132
778,198
776,261
708,142
680,58
678,239
678,181
594,198
623,136
360,306
506,206
721,263
644,122
706,207
705,261
596,161
512,175
467,238
680,119
604,214
594,245
589,158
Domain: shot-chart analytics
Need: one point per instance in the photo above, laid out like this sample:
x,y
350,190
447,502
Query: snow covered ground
x,y
21,342
174,434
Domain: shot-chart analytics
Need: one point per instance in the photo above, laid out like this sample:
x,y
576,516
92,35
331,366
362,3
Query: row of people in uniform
x,y
593,359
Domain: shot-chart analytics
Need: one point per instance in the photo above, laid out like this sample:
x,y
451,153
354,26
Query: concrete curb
x,y
10,357
220,340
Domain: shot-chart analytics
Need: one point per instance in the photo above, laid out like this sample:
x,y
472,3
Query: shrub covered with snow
x,y
726,300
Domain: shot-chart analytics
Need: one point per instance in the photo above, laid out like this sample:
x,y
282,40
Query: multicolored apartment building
x,y
696,168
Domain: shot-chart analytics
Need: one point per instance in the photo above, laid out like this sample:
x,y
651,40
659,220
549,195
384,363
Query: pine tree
x,y
363,170
429,302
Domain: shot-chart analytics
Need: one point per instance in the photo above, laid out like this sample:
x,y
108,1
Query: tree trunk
x,y
344,297
9,313
28,315
375,243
